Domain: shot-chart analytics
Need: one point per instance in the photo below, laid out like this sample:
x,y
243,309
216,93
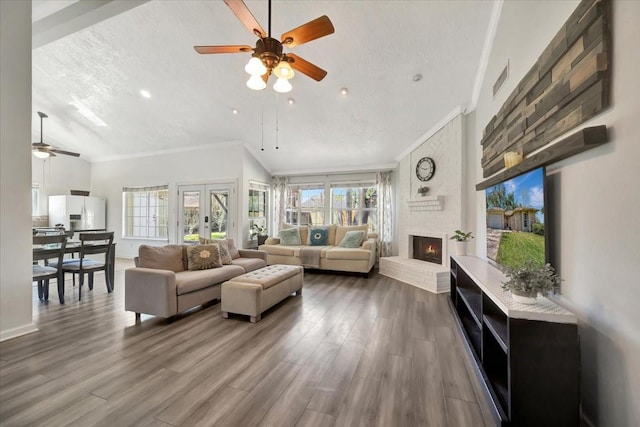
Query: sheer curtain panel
x,y
279,202
385,213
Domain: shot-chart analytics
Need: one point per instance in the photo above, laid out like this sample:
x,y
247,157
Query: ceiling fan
x,y
268,56
42,150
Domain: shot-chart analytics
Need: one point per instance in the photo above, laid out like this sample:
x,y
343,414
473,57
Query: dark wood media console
x,y
527,356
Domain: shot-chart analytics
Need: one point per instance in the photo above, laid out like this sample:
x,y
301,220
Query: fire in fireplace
x,y
427,249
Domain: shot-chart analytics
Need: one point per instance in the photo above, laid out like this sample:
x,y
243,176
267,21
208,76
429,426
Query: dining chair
x,y
69,234
46,248
91,244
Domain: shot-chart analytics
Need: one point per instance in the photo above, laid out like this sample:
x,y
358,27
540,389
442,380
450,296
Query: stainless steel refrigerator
x,y
77,213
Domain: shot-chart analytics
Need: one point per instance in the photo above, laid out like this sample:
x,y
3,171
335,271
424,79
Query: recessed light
x,y
291,101
417,77
145,94
234,111
344,91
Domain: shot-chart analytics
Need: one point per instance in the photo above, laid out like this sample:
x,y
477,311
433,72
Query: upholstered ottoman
x,y
253,293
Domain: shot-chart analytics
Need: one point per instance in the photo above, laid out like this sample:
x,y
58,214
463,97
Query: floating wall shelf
x,y
576,143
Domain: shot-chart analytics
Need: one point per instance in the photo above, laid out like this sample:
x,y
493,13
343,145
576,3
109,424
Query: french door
x,y
206,210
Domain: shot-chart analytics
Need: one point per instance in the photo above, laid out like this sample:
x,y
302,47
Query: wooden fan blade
x,y
306,67
66,153
223,49
245,16
312,30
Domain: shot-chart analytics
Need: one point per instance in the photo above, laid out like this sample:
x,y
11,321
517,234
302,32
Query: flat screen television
x,y
515,220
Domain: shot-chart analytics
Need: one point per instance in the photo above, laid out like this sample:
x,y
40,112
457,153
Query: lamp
x,y
266,63
283,70
41,154
282,86
255,67
255,82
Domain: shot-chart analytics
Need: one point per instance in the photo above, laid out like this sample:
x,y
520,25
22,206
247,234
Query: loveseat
x,y
323,254
161,283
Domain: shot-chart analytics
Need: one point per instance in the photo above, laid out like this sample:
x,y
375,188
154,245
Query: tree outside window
x,y
305,205
357,205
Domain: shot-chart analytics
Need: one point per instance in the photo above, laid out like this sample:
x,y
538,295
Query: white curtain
x,y
279,202
385,213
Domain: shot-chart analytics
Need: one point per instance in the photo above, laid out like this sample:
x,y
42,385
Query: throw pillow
x,y
168,257
225,256
290,237
352,239
231,247
318,236
341,230
203,257
233,251
304,232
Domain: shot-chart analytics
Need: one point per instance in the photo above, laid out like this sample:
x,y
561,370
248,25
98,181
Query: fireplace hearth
x,y
427,249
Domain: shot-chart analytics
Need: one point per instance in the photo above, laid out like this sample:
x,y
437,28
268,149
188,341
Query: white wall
x,y
58,175
596,205
15,169
200,166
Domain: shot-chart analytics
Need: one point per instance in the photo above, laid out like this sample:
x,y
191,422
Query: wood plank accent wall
x,y
567,85
578,142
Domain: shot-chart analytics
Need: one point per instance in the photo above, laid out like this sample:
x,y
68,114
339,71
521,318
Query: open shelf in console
x,y
495,321
470,294
526,356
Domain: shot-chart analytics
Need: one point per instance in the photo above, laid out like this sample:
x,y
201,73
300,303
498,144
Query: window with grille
x,y
354,204
146,212
350,203
305,204
258,208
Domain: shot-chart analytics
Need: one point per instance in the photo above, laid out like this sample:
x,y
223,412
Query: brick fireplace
x,y
425,263
428,249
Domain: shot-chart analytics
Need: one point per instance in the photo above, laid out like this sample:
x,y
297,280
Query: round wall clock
x,y
425,169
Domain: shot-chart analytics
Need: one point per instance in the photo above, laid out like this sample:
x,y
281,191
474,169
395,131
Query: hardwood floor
x,y
349,351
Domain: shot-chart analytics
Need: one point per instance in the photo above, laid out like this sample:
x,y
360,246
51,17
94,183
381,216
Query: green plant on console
x,y
461,236
532,279
258,230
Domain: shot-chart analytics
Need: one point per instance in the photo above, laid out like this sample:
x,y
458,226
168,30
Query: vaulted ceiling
x,y
88,80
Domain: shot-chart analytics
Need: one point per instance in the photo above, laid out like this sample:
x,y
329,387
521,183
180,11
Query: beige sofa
x,y
161,284
331,256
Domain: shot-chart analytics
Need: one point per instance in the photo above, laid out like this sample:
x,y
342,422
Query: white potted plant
x,y
461,239
526,282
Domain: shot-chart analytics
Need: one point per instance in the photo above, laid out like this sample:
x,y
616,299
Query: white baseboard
x,y
17,332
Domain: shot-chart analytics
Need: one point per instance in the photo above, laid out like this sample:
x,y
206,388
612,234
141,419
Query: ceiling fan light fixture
x,y
282,86
41,154
255,67
283,70
255,82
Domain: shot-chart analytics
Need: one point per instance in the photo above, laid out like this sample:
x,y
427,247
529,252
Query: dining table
x,y
73,247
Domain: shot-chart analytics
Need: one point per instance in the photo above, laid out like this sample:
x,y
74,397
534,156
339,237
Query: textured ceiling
x,y
377,48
